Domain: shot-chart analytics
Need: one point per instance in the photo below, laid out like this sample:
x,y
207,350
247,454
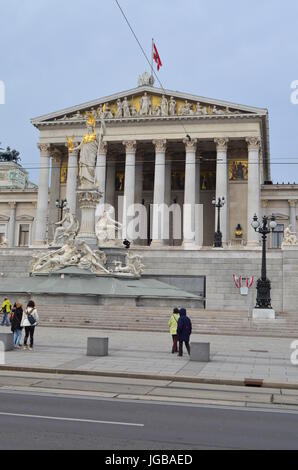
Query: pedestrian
x,y
173,324
184,331
29,322
6,310
16,320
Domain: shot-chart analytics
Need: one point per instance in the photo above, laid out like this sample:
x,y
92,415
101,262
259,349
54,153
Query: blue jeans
x,y
5,319
17,336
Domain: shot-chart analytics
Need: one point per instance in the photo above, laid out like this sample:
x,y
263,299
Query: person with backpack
x,y
6,310
184,331
29,322
173,325
16,320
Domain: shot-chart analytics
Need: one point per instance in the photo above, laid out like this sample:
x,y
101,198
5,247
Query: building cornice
x,y
153,90
137,119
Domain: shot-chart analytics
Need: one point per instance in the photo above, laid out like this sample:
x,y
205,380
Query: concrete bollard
x,y
6,341
200,352
98,347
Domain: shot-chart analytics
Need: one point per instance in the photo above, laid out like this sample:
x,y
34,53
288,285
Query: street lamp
x,y
61,206
264,284
218,235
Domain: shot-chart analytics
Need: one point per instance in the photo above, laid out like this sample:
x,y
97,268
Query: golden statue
x,y
89,147
70,143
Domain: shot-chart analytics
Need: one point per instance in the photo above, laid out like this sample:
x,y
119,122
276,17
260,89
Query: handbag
x,y
31,319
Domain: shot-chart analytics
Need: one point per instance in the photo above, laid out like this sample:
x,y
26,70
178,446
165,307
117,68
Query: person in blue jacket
x,y
184,331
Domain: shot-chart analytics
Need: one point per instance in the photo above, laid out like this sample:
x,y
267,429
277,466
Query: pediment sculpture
x,y
142,106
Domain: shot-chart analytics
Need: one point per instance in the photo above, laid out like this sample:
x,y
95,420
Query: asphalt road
x,y
44,422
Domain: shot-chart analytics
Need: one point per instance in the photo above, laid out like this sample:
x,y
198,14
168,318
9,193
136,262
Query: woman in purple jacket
x,y
184,331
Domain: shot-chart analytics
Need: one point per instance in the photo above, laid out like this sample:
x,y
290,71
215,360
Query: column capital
x,y
12,205
222,144
293,203
45,149
160,145
190,145
254,143
130,145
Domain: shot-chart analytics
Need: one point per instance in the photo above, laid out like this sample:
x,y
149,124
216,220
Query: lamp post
x,y
264,284
61,206
218,235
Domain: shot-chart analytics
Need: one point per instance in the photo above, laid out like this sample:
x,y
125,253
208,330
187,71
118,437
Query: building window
x,y
24,235
278,236
2,233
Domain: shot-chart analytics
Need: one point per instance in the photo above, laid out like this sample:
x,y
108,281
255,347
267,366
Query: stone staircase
x,y
156,320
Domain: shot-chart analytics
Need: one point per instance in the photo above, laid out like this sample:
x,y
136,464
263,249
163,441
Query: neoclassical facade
x,y
164,147
18,202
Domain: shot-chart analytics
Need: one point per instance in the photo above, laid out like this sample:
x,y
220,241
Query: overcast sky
x,y
59,53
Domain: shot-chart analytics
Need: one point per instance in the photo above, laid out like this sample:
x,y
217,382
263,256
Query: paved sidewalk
x,y
233,358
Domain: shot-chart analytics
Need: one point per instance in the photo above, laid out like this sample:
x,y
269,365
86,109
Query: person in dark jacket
x,y
16,319
184,331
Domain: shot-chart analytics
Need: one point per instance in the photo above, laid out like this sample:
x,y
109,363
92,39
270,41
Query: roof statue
x,y
9,155
146,79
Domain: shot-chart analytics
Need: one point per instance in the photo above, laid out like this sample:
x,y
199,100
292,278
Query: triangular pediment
x,y
146,102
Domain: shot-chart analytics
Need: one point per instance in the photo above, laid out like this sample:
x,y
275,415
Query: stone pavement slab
x,y
234,358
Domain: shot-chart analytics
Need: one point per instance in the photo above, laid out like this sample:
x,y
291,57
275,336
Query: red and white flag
x,y
156,57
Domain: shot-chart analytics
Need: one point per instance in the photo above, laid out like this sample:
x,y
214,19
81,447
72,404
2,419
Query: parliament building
x,y
162,147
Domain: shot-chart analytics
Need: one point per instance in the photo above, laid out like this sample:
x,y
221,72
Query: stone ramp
x,y
156,319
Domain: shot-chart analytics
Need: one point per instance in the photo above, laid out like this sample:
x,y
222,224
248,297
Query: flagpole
x,y
152,61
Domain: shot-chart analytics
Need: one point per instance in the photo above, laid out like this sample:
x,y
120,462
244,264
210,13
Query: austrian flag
x,y
156,57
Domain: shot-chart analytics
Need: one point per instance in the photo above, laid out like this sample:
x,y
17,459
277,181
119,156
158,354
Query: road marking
x,y
55,418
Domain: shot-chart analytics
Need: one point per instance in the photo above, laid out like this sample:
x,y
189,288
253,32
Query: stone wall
x,y
218,266
290,279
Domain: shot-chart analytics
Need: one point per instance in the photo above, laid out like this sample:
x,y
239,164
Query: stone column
x,y
222,186
43,196
199,210
101,173
293,206
55,192
110,187
72,178
129,186
168,223
253,203
159,192
189,229
139,180
12,225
